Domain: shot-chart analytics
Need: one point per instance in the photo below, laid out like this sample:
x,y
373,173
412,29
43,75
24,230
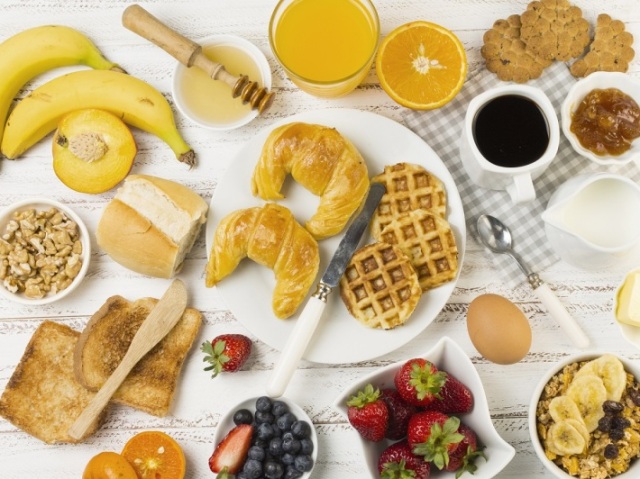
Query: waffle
x,y
429,243
409,187
380,287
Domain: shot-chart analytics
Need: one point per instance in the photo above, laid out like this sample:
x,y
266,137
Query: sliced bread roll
x,y
151,225
152,383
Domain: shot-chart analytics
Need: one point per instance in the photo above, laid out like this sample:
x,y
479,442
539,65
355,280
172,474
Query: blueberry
x,y
287,458
301,429
275,447
306,446
264,416
257,453
292,473
279,408
285,421
241,475
260,443
264,431
303,463
290,443
273,470
242,416
263,404
252,469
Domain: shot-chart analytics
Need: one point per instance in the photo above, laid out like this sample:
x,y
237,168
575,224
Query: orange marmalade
x,y
606,122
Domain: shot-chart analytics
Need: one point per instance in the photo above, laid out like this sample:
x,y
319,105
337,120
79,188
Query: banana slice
x,y
581,428
563,407
589,393
611,370
564,439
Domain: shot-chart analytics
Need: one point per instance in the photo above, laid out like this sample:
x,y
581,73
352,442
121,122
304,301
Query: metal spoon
x,y
496,236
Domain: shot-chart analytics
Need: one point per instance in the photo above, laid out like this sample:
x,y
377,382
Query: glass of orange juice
x,y
326,47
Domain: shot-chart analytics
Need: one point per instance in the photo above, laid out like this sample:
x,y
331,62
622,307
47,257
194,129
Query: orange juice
x,y
326,46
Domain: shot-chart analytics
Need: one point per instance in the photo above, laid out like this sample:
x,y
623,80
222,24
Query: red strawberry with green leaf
x,y
434,436
399,413
368,413
229,455
463,458
398,462
227,352
454,397
419,382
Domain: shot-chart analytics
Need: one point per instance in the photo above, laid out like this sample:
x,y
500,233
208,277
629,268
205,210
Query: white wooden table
x,y
200,401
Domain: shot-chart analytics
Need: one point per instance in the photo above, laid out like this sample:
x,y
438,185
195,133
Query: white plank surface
x,y
201,402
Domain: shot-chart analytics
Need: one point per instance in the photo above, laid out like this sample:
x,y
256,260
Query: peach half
x,y
93,150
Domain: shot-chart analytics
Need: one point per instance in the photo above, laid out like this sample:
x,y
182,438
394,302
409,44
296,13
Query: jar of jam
x,y
606,122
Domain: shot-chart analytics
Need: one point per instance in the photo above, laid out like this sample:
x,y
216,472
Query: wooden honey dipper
x,y
189,53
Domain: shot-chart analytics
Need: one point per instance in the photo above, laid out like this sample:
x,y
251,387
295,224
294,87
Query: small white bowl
x,y
600,80
41,204
226,424
634,469
264,81
449,357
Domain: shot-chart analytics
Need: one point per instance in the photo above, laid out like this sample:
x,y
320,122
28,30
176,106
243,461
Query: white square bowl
x,y
449,357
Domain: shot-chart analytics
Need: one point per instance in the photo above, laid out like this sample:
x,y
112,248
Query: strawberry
x,y
434,435
227,352
398,462
418,381
229,456
454,397
399,413
368,414
463,458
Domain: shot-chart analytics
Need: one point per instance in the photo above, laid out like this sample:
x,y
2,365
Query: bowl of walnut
x,y
44,251
584,418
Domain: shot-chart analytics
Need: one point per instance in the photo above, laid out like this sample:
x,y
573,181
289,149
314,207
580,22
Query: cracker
x,y
610,50
506,54
554,30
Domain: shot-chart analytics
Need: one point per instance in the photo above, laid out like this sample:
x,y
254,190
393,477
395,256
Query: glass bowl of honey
x,y
210,103
601,118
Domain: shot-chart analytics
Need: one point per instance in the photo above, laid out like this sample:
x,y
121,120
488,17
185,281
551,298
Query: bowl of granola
x,y
44,251
584,418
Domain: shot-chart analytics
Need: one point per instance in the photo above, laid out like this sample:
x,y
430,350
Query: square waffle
x,y
428,241
409,187
380,287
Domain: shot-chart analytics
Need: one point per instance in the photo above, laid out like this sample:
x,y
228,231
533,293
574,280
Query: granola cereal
x,y
612,446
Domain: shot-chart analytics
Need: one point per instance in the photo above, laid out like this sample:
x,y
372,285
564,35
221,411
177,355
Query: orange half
x,y
421,65
155,455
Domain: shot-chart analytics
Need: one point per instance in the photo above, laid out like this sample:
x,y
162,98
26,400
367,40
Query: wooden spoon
x,y
156,326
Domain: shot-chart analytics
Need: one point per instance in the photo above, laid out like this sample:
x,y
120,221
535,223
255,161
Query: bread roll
x,y
151,224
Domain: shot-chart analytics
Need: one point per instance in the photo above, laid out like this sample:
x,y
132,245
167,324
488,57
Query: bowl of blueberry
x,y
265,437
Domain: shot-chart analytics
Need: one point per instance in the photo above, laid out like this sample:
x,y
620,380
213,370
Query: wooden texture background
x,y
200,402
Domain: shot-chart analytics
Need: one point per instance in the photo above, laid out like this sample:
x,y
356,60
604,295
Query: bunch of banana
x,y
136,102
37,50
576,414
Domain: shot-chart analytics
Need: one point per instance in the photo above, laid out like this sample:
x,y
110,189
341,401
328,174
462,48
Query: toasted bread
x,y
151,385
43,397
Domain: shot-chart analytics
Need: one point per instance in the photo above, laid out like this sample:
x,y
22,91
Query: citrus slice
x,y
421,65
155,455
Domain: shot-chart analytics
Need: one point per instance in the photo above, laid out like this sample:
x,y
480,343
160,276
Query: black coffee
x,y
511,131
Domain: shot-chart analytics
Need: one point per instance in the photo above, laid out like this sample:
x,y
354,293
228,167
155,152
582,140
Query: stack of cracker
x,y
415,249
520,48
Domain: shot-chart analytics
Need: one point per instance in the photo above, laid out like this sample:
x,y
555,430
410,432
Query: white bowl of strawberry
x,y
426,414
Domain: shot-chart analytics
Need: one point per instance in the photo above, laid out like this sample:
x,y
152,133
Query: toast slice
x,y
151,384
43,397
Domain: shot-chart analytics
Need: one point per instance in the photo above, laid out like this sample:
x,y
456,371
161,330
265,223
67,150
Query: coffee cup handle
x,y
521,190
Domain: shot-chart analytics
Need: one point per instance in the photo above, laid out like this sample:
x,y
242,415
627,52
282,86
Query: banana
x,y
589,394
136,102
611,370
564,439
562,408
37,50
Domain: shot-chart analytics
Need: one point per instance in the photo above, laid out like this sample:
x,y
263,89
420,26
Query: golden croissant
x,y
270,236
321,160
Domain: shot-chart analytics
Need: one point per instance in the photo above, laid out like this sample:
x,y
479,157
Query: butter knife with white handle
x,y
310,316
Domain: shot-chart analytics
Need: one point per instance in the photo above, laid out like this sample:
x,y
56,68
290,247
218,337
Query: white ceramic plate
x,y
449,357
248,290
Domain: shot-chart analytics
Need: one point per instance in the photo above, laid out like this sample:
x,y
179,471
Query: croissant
x,y
321,160
270,236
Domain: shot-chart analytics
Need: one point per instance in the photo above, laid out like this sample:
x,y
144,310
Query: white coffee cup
x,y
515,150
